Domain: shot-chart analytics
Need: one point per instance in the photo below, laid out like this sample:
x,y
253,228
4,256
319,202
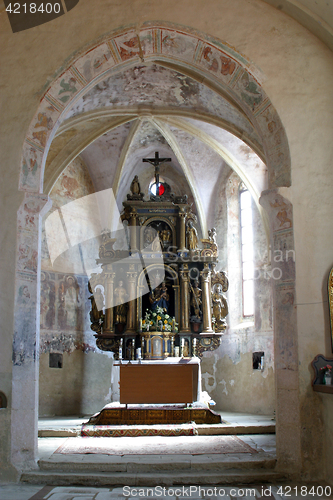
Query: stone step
x,y
170,478
203,429
157,464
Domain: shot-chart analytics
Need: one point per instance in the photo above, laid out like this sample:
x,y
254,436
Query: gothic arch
x,y
216,64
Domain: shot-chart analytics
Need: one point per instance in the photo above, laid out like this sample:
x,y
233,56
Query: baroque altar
x,y
163,296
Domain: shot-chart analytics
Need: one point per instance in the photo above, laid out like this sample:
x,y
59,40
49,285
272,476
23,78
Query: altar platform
x,y
232,423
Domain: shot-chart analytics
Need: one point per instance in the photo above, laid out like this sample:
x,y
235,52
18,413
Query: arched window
x,y
245,200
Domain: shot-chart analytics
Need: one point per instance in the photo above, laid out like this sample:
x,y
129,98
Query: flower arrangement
x,y
326,369
159,320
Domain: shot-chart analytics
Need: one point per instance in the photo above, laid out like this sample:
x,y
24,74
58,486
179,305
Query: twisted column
x,y
108,288
185,304
133,230
206,298
182,232
131,320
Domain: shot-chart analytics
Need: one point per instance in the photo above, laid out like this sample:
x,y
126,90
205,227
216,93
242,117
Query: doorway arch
x,y
220,68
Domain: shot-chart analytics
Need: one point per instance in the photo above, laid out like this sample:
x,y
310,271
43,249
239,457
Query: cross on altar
x,y
156,162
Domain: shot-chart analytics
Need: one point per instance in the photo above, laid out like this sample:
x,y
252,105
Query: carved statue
x,y
135,190
192,236
166,237
135,186
186,349
121,297
149,235
210,244
156,245
196,300
220,308
159,297
96,313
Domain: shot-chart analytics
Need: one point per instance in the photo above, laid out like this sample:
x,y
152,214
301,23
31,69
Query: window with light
x,y
247,252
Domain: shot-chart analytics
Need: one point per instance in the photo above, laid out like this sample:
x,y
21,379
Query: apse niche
x,y
205,207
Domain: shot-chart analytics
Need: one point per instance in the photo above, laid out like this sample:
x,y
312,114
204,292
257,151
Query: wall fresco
x,y
229,68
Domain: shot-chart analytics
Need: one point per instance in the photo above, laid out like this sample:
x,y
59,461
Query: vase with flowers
x,y
159,320
327,371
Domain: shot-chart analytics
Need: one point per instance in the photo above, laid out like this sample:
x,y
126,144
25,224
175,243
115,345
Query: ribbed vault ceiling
x,y
151,108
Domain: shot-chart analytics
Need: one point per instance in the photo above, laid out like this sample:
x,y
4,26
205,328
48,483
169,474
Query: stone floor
x,y
263,443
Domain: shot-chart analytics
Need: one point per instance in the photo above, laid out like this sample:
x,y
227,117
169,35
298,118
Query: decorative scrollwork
x,y
207,344
106,248
221,278
108,344
211,249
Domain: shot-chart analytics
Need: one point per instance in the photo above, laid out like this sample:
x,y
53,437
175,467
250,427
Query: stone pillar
x,y
133,231
25,372
290,420
206,300
184,297
108,287
131,315
182,232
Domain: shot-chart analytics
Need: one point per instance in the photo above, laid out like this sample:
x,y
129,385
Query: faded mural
x,y
82,385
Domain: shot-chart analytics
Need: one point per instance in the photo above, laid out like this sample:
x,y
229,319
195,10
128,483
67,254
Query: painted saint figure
x,y
220,308
121,297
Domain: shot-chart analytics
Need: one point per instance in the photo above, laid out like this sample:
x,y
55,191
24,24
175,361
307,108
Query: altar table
x,y
170,381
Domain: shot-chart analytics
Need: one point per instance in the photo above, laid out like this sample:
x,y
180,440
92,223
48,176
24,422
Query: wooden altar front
x,y
170,381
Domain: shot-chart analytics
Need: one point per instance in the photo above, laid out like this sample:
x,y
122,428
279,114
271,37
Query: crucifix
x,y
156,162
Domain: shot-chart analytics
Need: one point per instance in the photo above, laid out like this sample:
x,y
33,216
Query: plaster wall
x,y
296,70
228,374
80,387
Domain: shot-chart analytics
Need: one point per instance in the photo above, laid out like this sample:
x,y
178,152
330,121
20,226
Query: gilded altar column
x,y
184,296
108,287
182,231
133,230
206,299
131,280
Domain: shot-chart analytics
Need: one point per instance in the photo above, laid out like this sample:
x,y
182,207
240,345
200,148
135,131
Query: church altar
x,y
159,304
175,380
